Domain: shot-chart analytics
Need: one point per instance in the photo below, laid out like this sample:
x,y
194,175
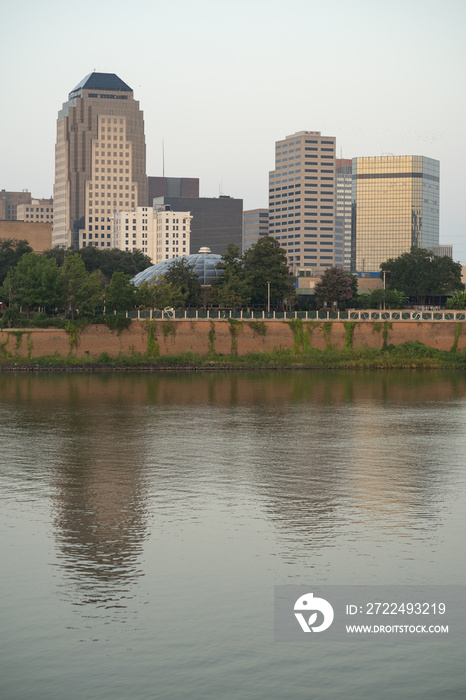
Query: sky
x,y
220,82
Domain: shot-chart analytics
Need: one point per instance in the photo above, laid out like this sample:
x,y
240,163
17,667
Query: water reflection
x,y
343,461
100,519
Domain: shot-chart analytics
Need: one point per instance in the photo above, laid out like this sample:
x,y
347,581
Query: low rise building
x,y
161,234
9,202
39,236
37,211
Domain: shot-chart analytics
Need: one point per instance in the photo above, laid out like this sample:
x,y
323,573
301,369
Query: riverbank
x,y
412,355
231,344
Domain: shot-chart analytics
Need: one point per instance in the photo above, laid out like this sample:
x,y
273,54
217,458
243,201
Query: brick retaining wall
x,y
222,337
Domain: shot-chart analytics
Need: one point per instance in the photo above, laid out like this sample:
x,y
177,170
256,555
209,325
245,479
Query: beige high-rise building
x,y
100,160
255,225
302,199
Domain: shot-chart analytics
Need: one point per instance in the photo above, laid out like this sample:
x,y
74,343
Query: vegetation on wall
x,y
349,334
235,327
153,348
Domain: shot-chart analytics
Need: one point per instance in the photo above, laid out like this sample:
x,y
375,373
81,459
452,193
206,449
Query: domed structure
x,y
204,262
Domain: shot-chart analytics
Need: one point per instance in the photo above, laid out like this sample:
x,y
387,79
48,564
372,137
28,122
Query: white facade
x,y
173,234
161,235
134,230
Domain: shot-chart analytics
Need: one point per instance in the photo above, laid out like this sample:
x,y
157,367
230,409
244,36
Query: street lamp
x,y
384,272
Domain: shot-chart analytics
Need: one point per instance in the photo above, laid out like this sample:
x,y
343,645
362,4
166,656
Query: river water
x,y
145,520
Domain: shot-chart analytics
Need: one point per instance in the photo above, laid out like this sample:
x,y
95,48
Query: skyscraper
x,y
395,204
343,213
302,199
100,160
255,225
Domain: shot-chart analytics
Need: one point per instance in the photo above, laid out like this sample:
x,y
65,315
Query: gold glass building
x,y
395,205
100,160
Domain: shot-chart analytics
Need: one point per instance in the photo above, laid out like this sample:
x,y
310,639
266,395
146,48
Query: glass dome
x,y
204,262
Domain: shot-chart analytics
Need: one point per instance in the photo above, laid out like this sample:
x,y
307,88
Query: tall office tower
x,y
395,203
100,160
171,187
302,199
343,169
255,225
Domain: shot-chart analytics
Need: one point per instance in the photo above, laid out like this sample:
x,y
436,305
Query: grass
x,y
413,355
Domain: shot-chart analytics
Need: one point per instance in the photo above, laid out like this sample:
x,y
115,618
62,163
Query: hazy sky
x,y
220,82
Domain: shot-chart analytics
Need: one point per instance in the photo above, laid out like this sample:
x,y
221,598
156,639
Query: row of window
x,y
39,216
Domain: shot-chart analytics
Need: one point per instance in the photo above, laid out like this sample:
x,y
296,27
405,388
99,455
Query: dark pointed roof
x,y
102,81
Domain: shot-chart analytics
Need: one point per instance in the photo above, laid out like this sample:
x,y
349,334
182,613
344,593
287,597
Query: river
x,y
145,520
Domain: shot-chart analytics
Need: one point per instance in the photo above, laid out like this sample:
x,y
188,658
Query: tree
x,y
58,253
11,252
183,278
388,298
33,282
120,293
232,288
141,260
457,301
110,260
422,275
336,285
81,290
265,262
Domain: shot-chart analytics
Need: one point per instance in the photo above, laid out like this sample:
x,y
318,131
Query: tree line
x,y
89,279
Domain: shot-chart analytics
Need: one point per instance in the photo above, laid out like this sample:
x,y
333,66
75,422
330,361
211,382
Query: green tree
x,y
422,275
11,252
183,278
120,293
141,260
33,282
110,260
336,285
232,288
81,290
387,298
266,262
457,301
58,253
